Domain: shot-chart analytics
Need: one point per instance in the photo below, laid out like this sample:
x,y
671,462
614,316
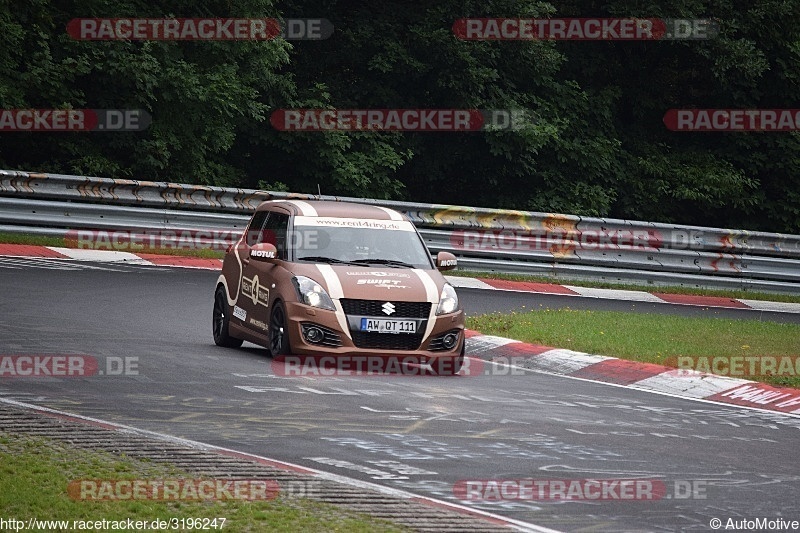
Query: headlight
x,y
448,301
311,293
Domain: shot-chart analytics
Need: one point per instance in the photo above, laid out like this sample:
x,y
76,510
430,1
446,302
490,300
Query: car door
x,y
257,276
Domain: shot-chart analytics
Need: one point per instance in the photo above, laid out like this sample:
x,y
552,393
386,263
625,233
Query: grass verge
x,y
35,472
649,338
697,291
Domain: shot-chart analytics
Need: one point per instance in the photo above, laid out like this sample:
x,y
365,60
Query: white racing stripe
x,y
335,291
432,293
305,208
393,215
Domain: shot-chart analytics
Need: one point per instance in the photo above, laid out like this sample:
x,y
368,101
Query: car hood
x,y
375,283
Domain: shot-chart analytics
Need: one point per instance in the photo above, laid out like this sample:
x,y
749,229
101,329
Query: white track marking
x,y
615,294
467,283
105,256
565,361
779,307
688,383
51,264
337,478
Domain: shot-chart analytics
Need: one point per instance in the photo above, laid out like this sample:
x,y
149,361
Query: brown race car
x,y
338,279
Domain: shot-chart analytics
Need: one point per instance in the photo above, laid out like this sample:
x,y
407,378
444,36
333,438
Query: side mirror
x,y
446,261
264,251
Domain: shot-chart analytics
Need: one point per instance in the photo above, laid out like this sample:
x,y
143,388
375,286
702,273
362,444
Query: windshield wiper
x,y
389,262
323,259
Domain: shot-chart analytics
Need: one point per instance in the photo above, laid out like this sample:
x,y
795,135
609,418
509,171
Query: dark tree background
x,y
597,148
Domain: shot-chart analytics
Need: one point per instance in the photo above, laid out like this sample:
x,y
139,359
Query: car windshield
x,y
384,242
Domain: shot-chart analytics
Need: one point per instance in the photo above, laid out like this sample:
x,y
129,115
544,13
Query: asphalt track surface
x,y
418,433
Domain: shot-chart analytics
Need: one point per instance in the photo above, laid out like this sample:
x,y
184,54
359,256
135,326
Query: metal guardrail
x,y
562,246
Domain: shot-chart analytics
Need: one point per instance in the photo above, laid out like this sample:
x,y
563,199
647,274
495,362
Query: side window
x,y
254,233
275,232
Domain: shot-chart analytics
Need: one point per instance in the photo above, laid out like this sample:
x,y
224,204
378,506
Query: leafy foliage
x,y
596,145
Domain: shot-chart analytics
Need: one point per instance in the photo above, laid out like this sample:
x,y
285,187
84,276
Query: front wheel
x,y
221,319
449,366
278,331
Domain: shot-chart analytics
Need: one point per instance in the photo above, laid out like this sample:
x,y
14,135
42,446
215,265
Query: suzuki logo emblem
x,y
388,308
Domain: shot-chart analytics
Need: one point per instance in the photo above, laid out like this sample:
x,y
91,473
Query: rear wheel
x,y
278,331
221,319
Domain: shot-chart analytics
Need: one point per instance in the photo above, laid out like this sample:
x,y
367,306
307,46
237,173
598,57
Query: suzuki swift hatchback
x,y
338,279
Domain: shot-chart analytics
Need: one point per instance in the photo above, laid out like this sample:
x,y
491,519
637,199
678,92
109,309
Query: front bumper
x,y
428,348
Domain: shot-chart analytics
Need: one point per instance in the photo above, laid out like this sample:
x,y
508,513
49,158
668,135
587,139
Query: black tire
x,y
449,366
220,321
278,334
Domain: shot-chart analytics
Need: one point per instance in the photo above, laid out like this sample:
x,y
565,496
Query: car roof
x,y
334,209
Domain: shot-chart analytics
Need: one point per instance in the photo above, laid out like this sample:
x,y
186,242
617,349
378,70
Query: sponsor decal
x,y
448,262
257,294
268,254
762,395
173,489
239,313
358,223
258,323
385,283
379,274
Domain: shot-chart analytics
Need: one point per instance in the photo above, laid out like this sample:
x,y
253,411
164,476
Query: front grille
x,y
373,308
386,341
330,337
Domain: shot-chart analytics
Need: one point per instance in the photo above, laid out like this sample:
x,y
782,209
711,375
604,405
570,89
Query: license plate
x,y
380,325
